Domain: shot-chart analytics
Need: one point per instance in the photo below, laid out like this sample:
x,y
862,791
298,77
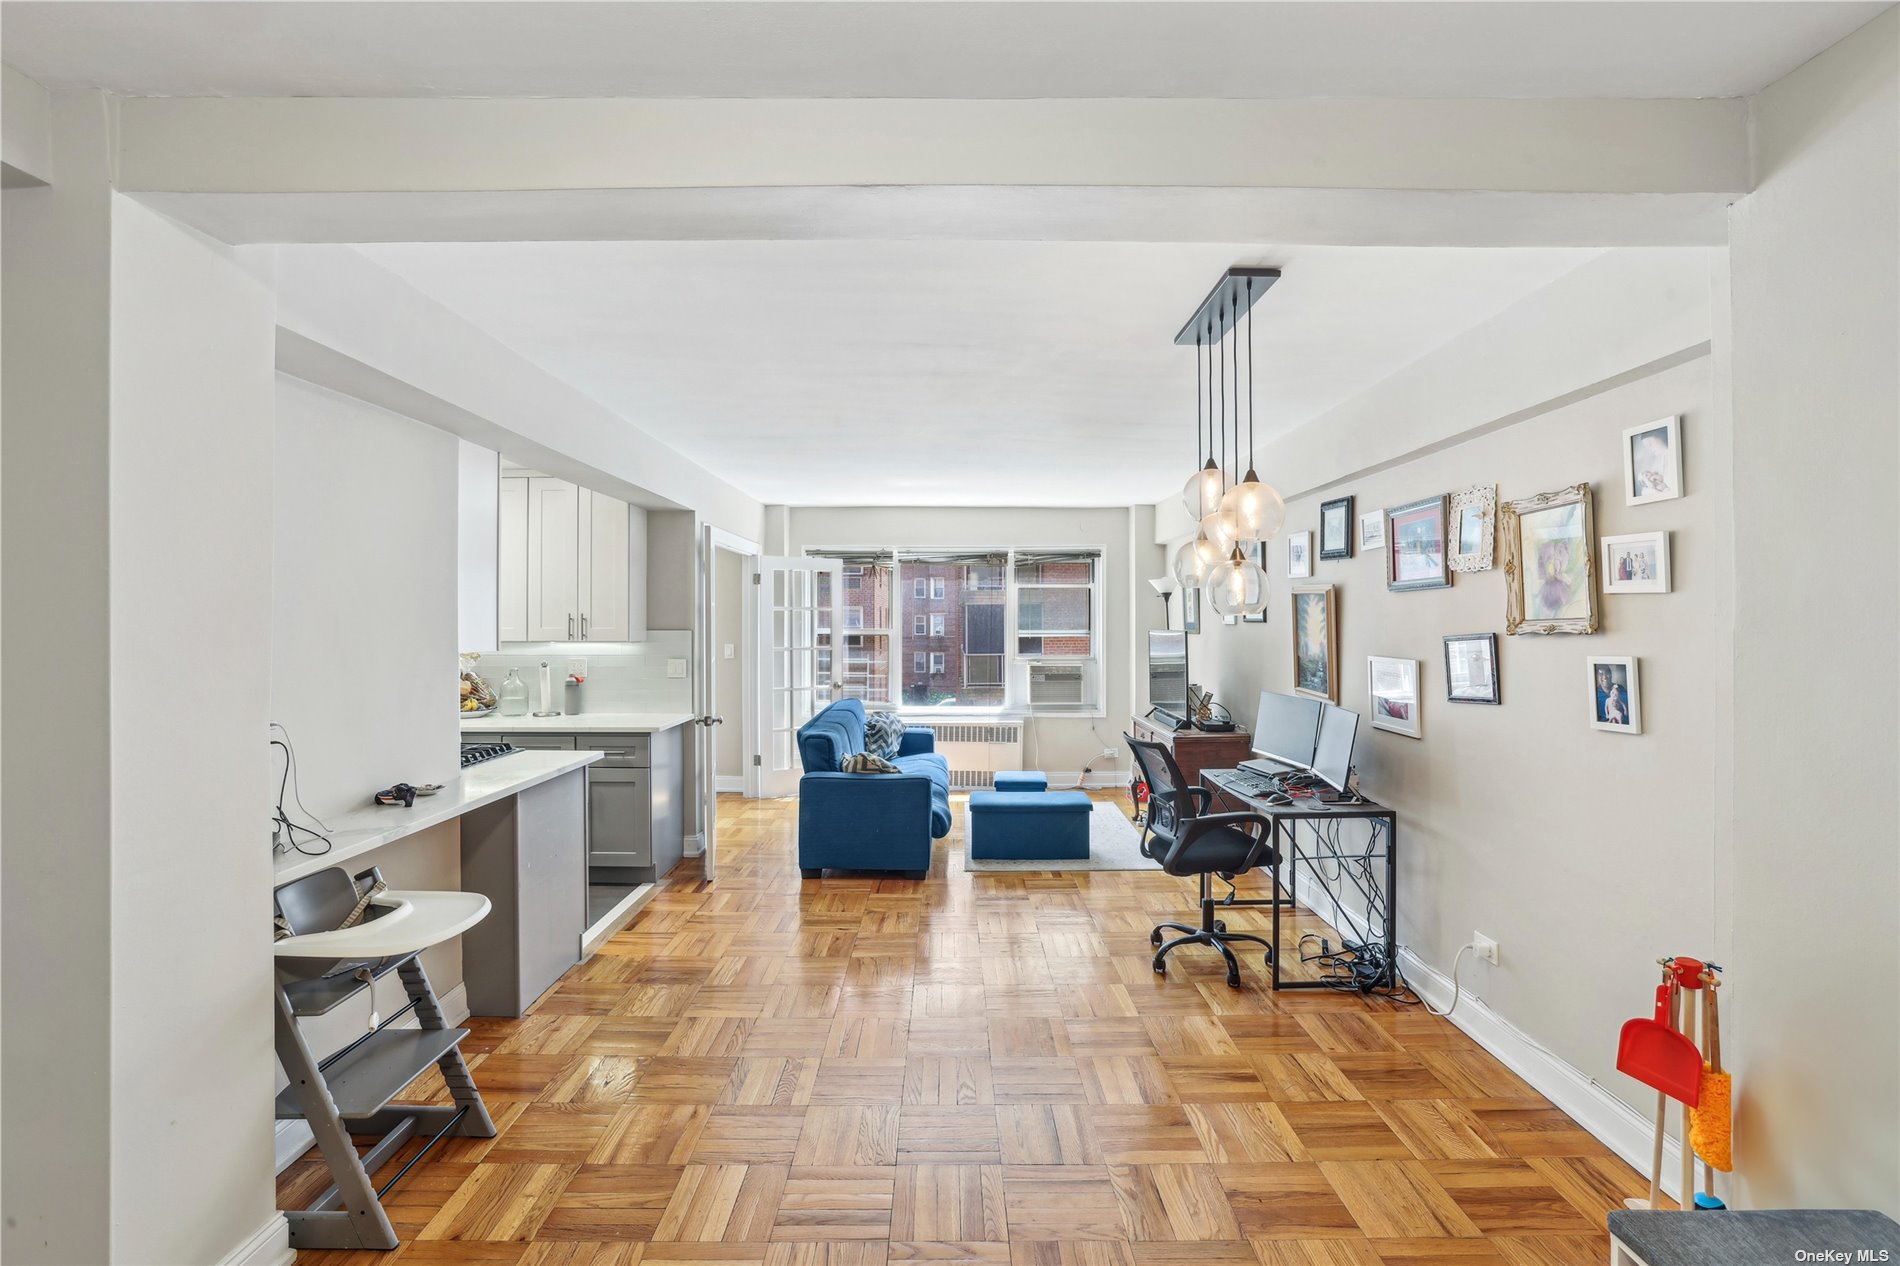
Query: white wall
x,y
1058,745
55,260
1585,854
1814,1030
363,611
478,546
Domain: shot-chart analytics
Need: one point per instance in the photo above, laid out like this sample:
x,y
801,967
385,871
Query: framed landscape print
x,y
1616,696
1392,687
1316,643
1471,668
1473,528
1549,563
1636,563
1415,546
1336,528
1299,555
1191,609
1258,553
1652,462
1372,530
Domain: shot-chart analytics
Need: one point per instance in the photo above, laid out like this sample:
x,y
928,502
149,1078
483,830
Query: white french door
x,y
800,647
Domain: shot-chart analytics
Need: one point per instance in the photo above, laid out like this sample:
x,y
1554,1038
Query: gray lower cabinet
x,y
525,854
635,805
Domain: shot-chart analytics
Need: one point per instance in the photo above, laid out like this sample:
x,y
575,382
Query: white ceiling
x,y
951,373
731,48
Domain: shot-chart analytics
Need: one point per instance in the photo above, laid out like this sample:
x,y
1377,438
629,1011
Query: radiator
x,y
977,750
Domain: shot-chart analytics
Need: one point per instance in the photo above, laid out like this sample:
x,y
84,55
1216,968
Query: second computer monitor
x,y
1287,729
1332,755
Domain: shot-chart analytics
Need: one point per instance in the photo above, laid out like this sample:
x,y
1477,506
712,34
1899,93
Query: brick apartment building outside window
x,y
951,639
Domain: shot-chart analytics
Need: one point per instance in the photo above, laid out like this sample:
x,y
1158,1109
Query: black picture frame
x,y
1258,553
1490,642
1349,529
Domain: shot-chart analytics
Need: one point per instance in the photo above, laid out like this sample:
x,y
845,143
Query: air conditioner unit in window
x,y
1058,685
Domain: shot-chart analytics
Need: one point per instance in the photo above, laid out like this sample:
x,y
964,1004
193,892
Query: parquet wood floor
x,y
976,1069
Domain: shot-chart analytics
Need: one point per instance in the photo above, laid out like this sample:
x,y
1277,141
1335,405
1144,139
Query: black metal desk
x,y
1229,795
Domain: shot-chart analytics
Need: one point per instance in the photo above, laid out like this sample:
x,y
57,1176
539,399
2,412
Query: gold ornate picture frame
x,y
1550,562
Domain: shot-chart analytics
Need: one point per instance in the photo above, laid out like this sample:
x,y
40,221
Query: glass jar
x,y
513,695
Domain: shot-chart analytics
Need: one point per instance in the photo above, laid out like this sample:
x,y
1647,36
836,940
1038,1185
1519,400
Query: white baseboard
x,y
268,1245
294,1137
734,783
1613,1123
695,844
1100,779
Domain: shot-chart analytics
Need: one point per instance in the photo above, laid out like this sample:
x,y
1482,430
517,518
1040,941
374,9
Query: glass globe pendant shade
x,y
1238,587
1202,495
1257,509
1222,528
1190,564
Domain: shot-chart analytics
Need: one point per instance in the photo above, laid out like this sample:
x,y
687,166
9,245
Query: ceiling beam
x,y
355,145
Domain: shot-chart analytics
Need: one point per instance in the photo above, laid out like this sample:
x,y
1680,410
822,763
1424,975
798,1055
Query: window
x,y
866,621
1021,628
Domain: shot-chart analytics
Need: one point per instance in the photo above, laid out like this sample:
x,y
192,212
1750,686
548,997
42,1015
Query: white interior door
x,y
800,657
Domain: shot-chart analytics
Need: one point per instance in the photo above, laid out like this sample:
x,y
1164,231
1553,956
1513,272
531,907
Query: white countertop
x,y
579,723
374,825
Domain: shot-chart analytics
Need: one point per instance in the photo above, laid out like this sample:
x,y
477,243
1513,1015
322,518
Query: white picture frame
x,y
1652,461
1299,556
1635,562
1616,694
1372,530
1392,695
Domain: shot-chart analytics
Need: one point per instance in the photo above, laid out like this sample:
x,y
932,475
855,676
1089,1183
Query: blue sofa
x,y
868,821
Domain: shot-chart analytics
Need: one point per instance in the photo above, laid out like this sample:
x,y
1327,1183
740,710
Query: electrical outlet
x,y
1484,947
1111,752
675,668
577,667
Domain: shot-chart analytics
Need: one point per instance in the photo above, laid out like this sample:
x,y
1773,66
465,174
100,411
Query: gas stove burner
x,y
476,753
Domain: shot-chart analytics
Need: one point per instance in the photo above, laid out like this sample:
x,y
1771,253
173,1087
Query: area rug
x,y
1114,844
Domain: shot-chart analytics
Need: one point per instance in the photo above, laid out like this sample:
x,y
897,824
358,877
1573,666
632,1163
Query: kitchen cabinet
x,y
635,805
571,564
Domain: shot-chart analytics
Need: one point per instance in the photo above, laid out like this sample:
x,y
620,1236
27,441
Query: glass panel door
x,y
798,641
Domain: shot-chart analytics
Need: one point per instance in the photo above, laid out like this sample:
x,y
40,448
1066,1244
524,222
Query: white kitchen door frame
x,y
786,641
713,540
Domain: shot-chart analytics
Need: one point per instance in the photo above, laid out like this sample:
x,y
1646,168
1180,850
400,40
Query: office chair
x,y
1188,840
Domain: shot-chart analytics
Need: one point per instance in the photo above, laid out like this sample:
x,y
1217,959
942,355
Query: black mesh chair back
x,y
1170,800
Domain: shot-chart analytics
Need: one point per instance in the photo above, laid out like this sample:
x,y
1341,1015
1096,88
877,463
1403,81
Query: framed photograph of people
x,y
1316,643
1299,555
1549,562
1652,461
1616,696
1636,563
1258,553
1471,668
1371,530
1473,528
1335,528
1415,546
1392,686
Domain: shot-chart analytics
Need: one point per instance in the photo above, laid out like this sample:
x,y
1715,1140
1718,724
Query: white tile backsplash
x,y
621,676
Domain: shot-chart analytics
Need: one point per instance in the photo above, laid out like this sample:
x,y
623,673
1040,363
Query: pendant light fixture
x,y
1256,509
1205,487
1198,557
1218,525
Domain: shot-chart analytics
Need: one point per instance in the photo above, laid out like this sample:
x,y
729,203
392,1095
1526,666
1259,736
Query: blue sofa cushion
x,y
937,769
826,739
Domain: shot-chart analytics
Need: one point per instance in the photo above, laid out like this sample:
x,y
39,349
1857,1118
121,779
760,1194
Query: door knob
x,y
710,720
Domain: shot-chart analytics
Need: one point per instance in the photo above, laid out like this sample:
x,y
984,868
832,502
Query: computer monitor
x,y
1168,674
1332,751
1286,729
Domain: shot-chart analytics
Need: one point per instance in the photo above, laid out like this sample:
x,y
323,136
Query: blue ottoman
x,y
1029,825
1022,780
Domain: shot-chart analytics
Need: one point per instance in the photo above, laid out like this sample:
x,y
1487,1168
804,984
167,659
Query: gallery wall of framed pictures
x,y
1553,574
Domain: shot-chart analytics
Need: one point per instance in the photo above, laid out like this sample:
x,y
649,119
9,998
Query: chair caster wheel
x,y
1161,969
1233,982
1154,937
1220,925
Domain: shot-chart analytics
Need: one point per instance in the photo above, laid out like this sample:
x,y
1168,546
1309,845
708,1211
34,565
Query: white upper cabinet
x,y
572,564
